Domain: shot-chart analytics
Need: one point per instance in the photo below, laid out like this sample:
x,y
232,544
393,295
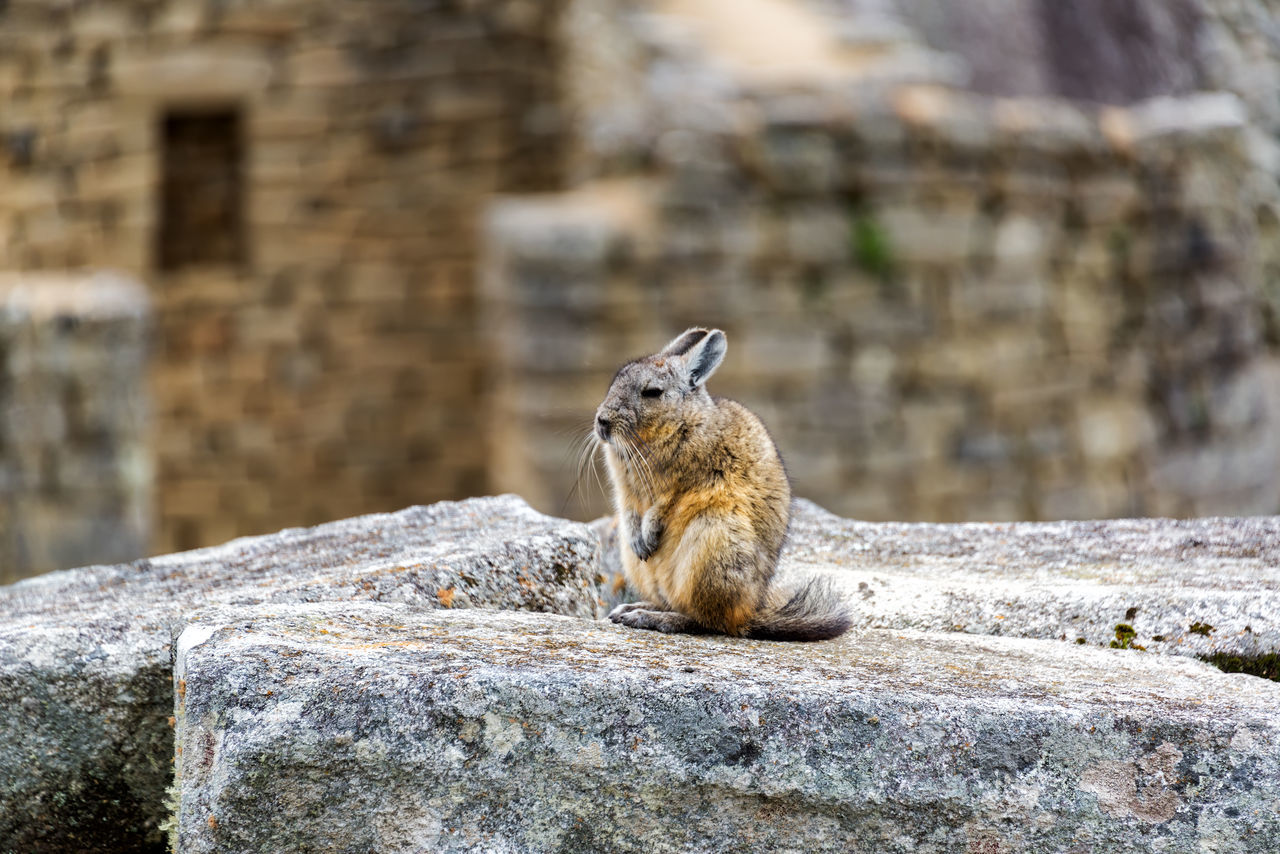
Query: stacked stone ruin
x,y
297,185
958,283
76,483
947,303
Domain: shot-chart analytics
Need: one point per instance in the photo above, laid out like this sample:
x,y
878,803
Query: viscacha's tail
x,y
811,611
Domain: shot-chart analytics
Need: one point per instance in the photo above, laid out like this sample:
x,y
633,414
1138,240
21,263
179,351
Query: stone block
x,y
101,23
192,72
928,237
1005,354
30,193
74,419
1161,120
773,353
1109,199
84,654
391,729
567,237
930,426
132,176
1114,429
1192,478
1021,246
180,21
818,235
1058,580
1015,291
273,21
802,161
1246,400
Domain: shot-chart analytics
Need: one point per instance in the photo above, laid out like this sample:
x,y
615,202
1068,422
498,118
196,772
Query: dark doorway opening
x,y
201,190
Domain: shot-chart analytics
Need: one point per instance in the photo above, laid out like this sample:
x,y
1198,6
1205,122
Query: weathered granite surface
x,y
85,673
1202,586
315,727
310,720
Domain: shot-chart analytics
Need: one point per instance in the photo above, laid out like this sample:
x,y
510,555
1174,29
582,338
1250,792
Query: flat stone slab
x,y
1192,587
1186,586
386,728
85,670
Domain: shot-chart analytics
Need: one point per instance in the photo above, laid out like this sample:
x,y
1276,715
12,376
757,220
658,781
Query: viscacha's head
x,y
652,396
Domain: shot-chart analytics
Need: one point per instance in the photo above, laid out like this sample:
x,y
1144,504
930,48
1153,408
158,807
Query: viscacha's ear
x,y
705,356
681,344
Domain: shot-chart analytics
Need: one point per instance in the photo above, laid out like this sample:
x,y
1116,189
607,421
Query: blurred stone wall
x,y
323,362
945,305
75,464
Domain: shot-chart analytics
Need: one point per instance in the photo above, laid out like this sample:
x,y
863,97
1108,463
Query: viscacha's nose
x,y
603,426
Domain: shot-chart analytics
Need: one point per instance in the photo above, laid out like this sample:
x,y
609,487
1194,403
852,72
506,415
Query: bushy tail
x,y
811,611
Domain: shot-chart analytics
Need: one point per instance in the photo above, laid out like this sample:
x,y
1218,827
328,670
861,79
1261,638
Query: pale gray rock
x,y
1186,586
75,464
1191,116
1194,587
1087,50
85,674
320,727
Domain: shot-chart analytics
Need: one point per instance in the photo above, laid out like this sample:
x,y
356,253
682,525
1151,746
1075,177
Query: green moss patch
x,y
1267,666
872,251
1125,636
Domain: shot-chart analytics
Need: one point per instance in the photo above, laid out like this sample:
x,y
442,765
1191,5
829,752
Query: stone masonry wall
x,y
321,363
945,306
75,466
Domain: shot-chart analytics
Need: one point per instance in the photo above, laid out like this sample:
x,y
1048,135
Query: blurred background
x,y
267,263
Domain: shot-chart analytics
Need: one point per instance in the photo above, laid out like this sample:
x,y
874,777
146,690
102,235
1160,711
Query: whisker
x,y
642,463
597,450
580,448
648,466
575,426
644,471
573,491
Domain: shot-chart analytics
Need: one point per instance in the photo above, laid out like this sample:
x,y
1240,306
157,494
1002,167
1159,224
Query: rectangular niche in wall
x,y
201,190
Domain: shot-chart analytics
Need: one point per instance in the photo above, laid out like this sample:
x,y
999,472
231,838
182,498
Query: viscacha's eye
x,y
651,392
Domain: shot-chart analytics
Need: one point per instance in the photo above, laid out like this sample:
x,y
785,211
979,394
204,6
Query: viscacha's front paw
x,y
616,613
646,534
638,617
643,548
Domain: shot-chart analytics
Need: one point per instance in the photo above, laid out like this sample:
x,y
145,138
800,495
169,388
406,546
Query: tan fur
x,y
708,474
